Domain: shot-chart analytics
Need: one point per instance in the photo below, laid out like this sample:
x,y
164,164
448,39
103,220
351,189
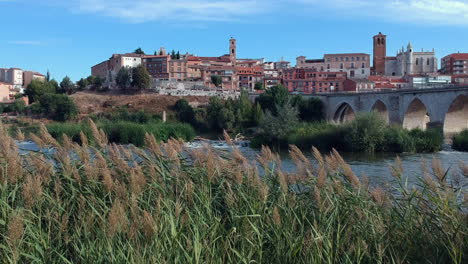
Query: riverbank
x,y
110,209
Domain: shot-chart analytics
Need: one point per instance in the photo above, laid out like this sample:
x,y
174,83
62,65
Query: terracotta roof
x,y
458,56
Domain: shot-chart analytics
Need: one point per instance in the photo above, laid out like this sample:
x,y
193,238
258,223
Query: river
x,y
374,167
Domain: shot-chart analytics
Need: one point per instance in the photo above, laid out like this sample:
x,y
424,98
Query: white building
x,y
429,81
410,62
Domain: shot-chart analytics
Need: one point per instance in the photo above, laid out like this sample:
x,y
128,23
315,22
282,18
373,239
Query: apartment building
x,y
28,76
455,64
309,81
249,76
356,65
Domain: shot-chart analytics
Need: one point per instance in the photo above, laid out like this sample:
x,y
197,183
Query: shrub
x,y
365,133
72,130
397,140
430,140
460,141
59,107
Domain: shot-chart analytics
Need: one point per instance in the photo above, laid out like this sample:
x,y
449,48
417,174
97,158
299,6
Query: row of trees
x,y
136,78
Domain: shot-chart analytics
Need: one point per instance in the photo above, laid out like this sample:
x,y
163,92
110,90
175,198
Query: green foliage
x,y
95,82
38,88
134,133
430,140
258,86
185,112
460,141
71,129
310,110
123,79
397,140
141,79
124,115
276,96
216,80
82,84
59,107
276,128
18,106
324,136
365,133
139,51
66,86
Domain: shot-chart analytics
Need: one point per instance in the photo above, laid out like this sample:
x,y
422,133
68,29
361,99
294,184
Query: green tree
x,y
139,51
82,84
258,86
173,55
59,107
141,78
214,108
66,86
309,109
37,88
257,114
123,78
216,80
178,55
185,112
18,106
276,128
48,76
273,98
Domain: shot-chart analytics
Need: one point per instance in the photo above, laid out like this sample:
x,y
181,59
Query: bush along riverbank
x,y
103,207
119,132
367,133
460,141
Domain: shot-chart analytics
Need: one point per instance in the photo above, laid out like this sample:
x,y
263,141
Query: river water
x,y
374,167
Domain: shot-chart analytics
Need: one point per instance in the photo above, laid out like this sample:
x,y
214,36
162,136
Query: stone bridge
x,y
421,108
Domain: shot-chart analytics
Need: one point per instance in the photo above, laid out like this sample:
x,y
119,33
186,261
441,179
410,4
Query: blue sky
x,y
69,36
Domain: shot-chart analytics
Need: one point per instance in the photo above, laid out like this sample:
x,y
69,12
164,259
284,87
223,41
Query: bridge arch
x,y
456,118
381,109
344,113
416,115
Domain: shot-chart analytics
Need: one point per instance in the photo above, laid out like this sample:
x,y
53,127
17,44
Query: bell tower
x,y
233,51
380,52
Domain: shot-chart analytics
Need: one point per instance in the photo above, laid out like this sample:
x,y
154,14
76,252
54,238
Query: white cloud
x,y
138,11
446,12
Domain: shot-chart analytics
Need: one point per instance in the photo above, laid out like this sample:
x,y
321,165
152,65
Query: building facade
x,y
28,76
455,64
5,89
410,62
310,81
249,76
380,54
356,65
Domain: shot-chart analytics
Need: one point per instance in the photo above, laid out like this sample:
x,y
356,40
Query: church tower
x,y
380,52
233,51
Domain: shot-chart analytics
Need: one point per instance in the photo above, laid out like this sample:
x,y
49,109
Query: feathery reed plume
x,y
99,136
83,139
189,191
397,168
39,142
427,176
152,145
276,216
317,197
282,181
332,163
227,138
438,170
264,191
15,228
117,219
318,156
230,197
350,176
32,190
19,135
12,170
304,167
67,143
46,137
147,224
321,177
107,179
265,157
378,195
137,179
99,160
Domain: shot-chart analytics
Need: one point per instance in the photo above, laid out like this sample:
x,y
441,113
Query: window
x,y
347,59
352,64
417,61
362,72
363,65
352,58
357,58
328,66
336,59
341,66
428,61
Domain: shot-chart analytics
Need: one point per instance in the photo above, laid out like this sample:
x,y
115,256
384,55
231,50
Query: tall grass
x,y
103,207
460,141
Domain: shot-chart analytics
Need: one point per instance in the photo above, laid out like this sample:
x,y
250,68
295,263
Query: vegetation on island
x,y
460,141
167,204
